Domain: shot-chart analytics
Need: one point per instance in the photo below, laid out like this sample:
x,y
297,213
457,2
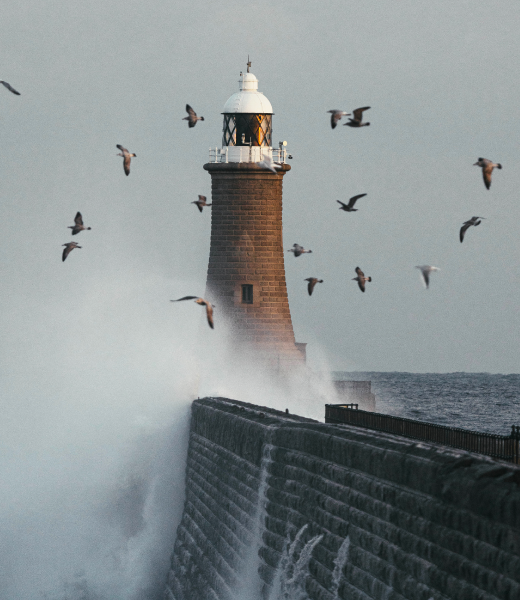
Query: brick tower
x,y
246,274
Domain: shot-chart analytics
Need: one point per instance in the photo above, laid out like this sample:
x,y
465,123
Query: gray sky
x,y
97,366
442,81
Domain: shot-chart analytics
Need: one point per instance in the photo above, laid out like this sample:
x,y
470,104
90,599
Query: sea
x,y
483,402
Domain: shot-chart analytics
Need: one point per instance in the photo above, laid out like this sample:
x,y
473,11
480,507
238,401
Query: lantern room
x,y
247,135
247,116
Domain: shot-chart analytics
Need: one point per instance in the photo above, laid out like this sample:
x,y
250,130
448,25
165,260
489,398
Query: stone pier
x,y
423,521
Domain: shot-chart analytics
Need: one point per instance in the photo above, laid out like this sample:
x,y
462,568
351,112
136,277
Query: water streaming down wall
x,y
355,514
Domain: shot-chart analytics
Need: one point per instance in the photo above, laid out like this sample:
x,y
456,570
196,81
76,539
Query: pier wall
x,y
423,521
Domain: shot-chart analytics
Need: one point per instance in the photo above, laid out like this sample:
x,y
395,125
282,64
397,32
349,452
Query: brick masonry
x,y
247,249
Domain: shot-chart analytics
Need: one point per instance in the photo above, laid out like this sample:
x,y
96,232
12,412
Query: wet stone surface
x,y
423,521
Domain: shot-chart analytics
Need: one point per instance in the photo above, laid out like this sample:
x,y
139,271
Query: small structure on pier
x,y
356,392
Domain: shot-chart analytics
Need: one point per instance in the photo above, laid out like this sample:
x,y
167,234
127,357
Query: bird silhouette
x,y
425,272
298,250
192,116
357,121
201,302
127,157
336,116
350,206
68,249
10,88
79,224
467,224
361,279
201,202
487,168
312,283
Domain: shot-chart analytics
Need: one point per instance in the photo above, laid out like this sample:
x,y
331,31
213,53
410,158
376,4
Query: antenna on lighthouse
x,y
248,63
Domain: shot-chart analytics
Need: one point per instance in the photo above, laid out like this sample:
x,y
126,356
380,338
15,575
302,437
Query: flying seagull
x,y
312,282
361,279
336,116
192,116
425,271
201,302
201,202
297,249
487,169
357,121
127,157
467,224
350,206
78,219
268,163
10,88
69,248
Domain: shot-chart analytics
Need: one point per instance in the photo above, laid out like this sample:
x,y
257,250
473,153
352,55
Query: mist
x,y
96,402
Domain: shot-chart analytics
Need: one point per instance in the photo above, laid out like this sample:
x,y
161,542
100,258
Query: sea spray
x,y
339,563
250,584
93,442
291,576
296,585
286,562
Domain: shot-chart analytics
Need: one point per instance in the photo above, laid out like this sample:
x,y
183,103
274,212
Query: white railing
x,y
246,154
280,155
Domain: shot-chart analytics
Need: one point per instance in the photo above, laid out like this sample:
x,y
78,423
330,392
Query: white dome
x,y
248,99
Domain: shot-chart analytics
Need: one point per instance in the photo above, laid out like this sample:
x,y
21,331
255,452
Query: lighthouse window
x,y
244,129
247,294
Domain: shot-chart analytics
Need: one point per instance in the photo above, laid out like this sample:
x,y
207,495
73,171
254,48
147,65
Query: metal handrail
x,y
498,446
221,155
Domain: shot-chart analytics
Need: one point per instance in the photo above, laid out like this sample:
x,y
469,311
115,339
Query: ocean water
x,y
476,401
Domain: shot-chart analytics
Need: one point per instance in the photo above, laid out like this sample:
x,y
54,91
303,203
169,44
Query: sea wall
x,y
399,519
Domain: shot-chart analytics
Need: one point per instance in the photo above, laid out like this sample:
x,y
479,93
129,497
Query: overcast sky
x,y
442,80
93,352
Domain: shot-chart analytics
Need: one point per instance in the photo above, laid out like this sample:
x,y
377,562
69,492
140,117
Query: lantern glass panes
x,y
243,129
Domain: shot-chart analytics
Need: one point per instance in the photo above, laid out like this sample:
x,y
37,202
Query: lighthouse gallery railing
x,y
246,154
498,446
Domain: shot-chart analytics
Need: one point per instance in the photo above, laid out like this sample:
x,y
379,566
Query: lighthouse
x,y
246,273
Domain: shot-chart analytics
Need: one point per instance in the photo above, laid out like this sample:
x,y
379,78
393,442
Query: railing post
x,y
515,436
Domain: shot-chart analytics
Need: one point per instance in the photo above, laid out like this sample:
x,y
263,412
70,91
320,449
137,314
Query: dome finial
x,y
248,63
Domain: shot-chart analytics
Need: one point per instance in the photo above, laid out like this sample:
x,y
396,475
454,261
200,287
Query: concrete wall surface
x,y
397,519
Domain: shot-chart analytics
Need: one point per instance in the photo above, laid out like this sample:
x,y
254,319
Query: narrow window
x,y
247,294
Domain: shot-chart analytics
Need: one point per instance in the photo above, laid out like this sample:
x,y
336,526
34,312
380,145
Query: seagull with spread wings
x,y
425,272
127,157
201,302
298,250
487,168
312,283
336,116
78,220
361,279
269,164
192,116
201,202
467,224
357,121
350,206
68,249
